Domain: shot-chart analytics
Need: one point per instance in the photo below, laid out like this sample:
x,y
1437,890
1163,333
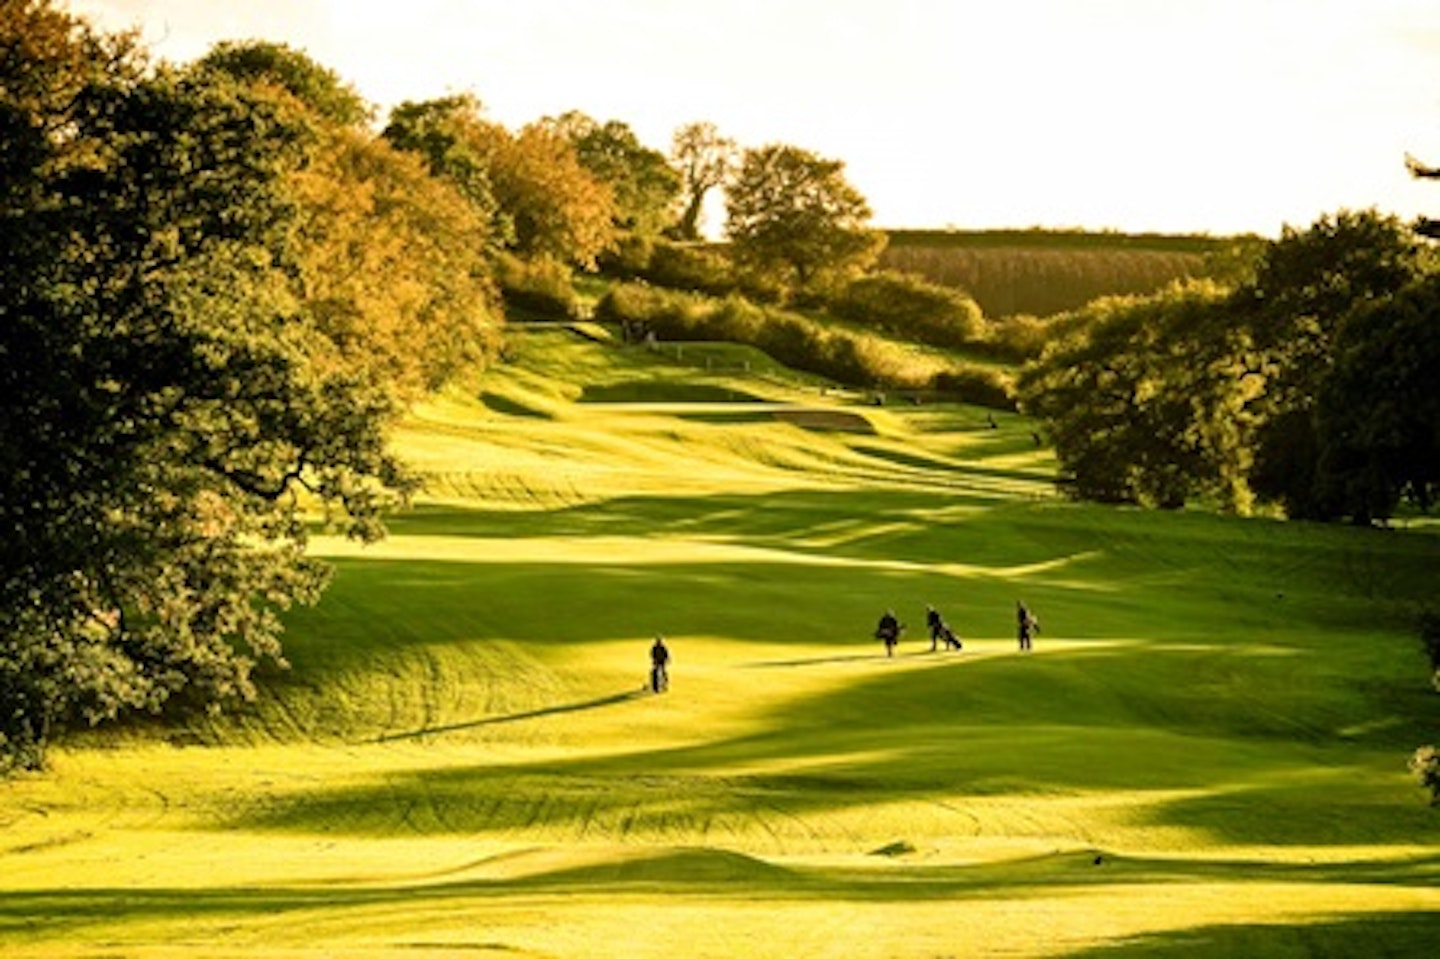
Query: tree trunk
x,y
689,226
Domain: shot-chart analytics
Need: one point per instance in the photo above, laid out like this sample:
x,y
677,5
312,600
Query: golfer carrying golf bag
x,y
659,660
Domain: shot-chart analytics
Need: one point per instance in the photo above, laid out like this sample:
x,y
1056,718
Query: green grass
x,y
1205,755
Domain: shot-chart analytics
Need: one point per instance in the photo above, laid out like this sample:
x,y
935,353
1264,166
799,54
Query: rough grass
x,y
1205,755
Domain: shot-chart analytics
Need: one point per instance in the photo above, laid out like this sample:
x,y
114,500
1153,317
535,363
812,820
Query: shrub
x,y
542,288
629,258
979,385
911,307
691,267
739,320
1016,338
856,359
669,314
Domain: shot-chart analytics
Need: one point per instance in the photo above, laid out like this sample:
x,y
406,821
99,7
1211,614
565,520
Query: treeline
x,y
1045,272
1307,385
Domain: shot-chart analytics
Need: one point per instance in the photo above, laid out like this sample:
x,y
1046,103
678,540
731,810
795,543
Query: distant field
x,y
1204,756
1043,272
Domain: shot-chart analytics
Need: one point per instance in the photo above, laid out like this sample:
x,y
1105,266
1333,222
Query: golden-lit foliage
x,y
391,259
558,207
393,268
163,405
644,185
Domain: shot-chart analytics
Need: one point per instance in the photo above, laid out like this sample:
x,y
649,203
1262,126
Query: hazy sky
x,y
1171,115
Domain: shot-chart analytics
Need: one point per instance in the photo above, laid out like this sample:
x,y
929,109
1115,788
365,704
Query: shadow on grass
x,y
588,704
1373,936
791,780
720,874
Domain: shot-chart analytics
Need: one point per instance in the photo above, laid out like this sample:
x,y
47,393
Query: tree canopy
x,y
1291,388
545,202
192,359
446,132
793,213
644,185
317,87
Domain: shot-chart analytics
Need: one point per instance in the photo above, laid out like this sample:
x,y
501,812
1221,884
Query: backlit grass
x,y
1205,755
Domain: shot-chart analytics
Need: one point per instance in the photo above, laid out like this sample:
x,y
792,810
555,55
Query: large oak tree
x,y
167,409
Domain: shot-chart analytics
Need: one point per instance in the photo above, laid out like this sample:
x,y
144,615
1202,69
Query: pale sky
x,y
1218,116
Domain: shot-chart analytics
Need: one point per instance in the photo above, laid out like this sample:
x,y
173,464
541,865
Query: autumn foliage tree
x,y
644,185
391,264
547,202
173,391
560,209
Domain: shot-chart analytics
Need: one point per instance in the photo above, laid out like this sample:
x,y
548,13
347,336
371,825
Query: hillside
x,y
1205,755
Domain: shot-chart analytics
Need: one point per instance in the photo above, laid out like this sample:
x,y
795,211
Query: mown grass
x,y
1204,756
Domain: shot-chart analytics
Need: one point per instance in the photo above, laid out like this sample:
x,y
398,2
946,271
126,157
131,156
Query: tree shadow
x,y
1383,934
588,704
1079,719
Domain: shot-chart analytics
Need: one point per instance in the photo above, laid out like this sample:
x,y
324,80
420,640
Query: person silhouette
x,y
888,631
1026,626
936,624
659,665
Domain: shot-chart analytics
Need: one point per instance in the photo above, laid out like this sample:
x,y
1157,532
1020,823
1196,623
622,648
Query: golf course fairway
x,y
1204,755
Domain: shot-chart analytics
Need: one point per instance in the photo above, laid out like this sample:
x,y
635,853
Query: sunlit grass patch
x,y
1203,755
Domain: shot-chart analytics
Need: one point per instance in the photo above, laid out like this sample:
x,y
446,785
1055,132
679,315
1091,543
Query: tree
x,y
546,203
559,208
391,261
317,87
161,405
705,160
1297,387
1305,284
793,213
1145,401
644,185
1377,417
392,266
448,133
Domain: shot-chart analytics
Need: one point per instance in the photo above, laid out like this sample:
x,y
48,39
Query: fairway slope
x,y
1204,755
